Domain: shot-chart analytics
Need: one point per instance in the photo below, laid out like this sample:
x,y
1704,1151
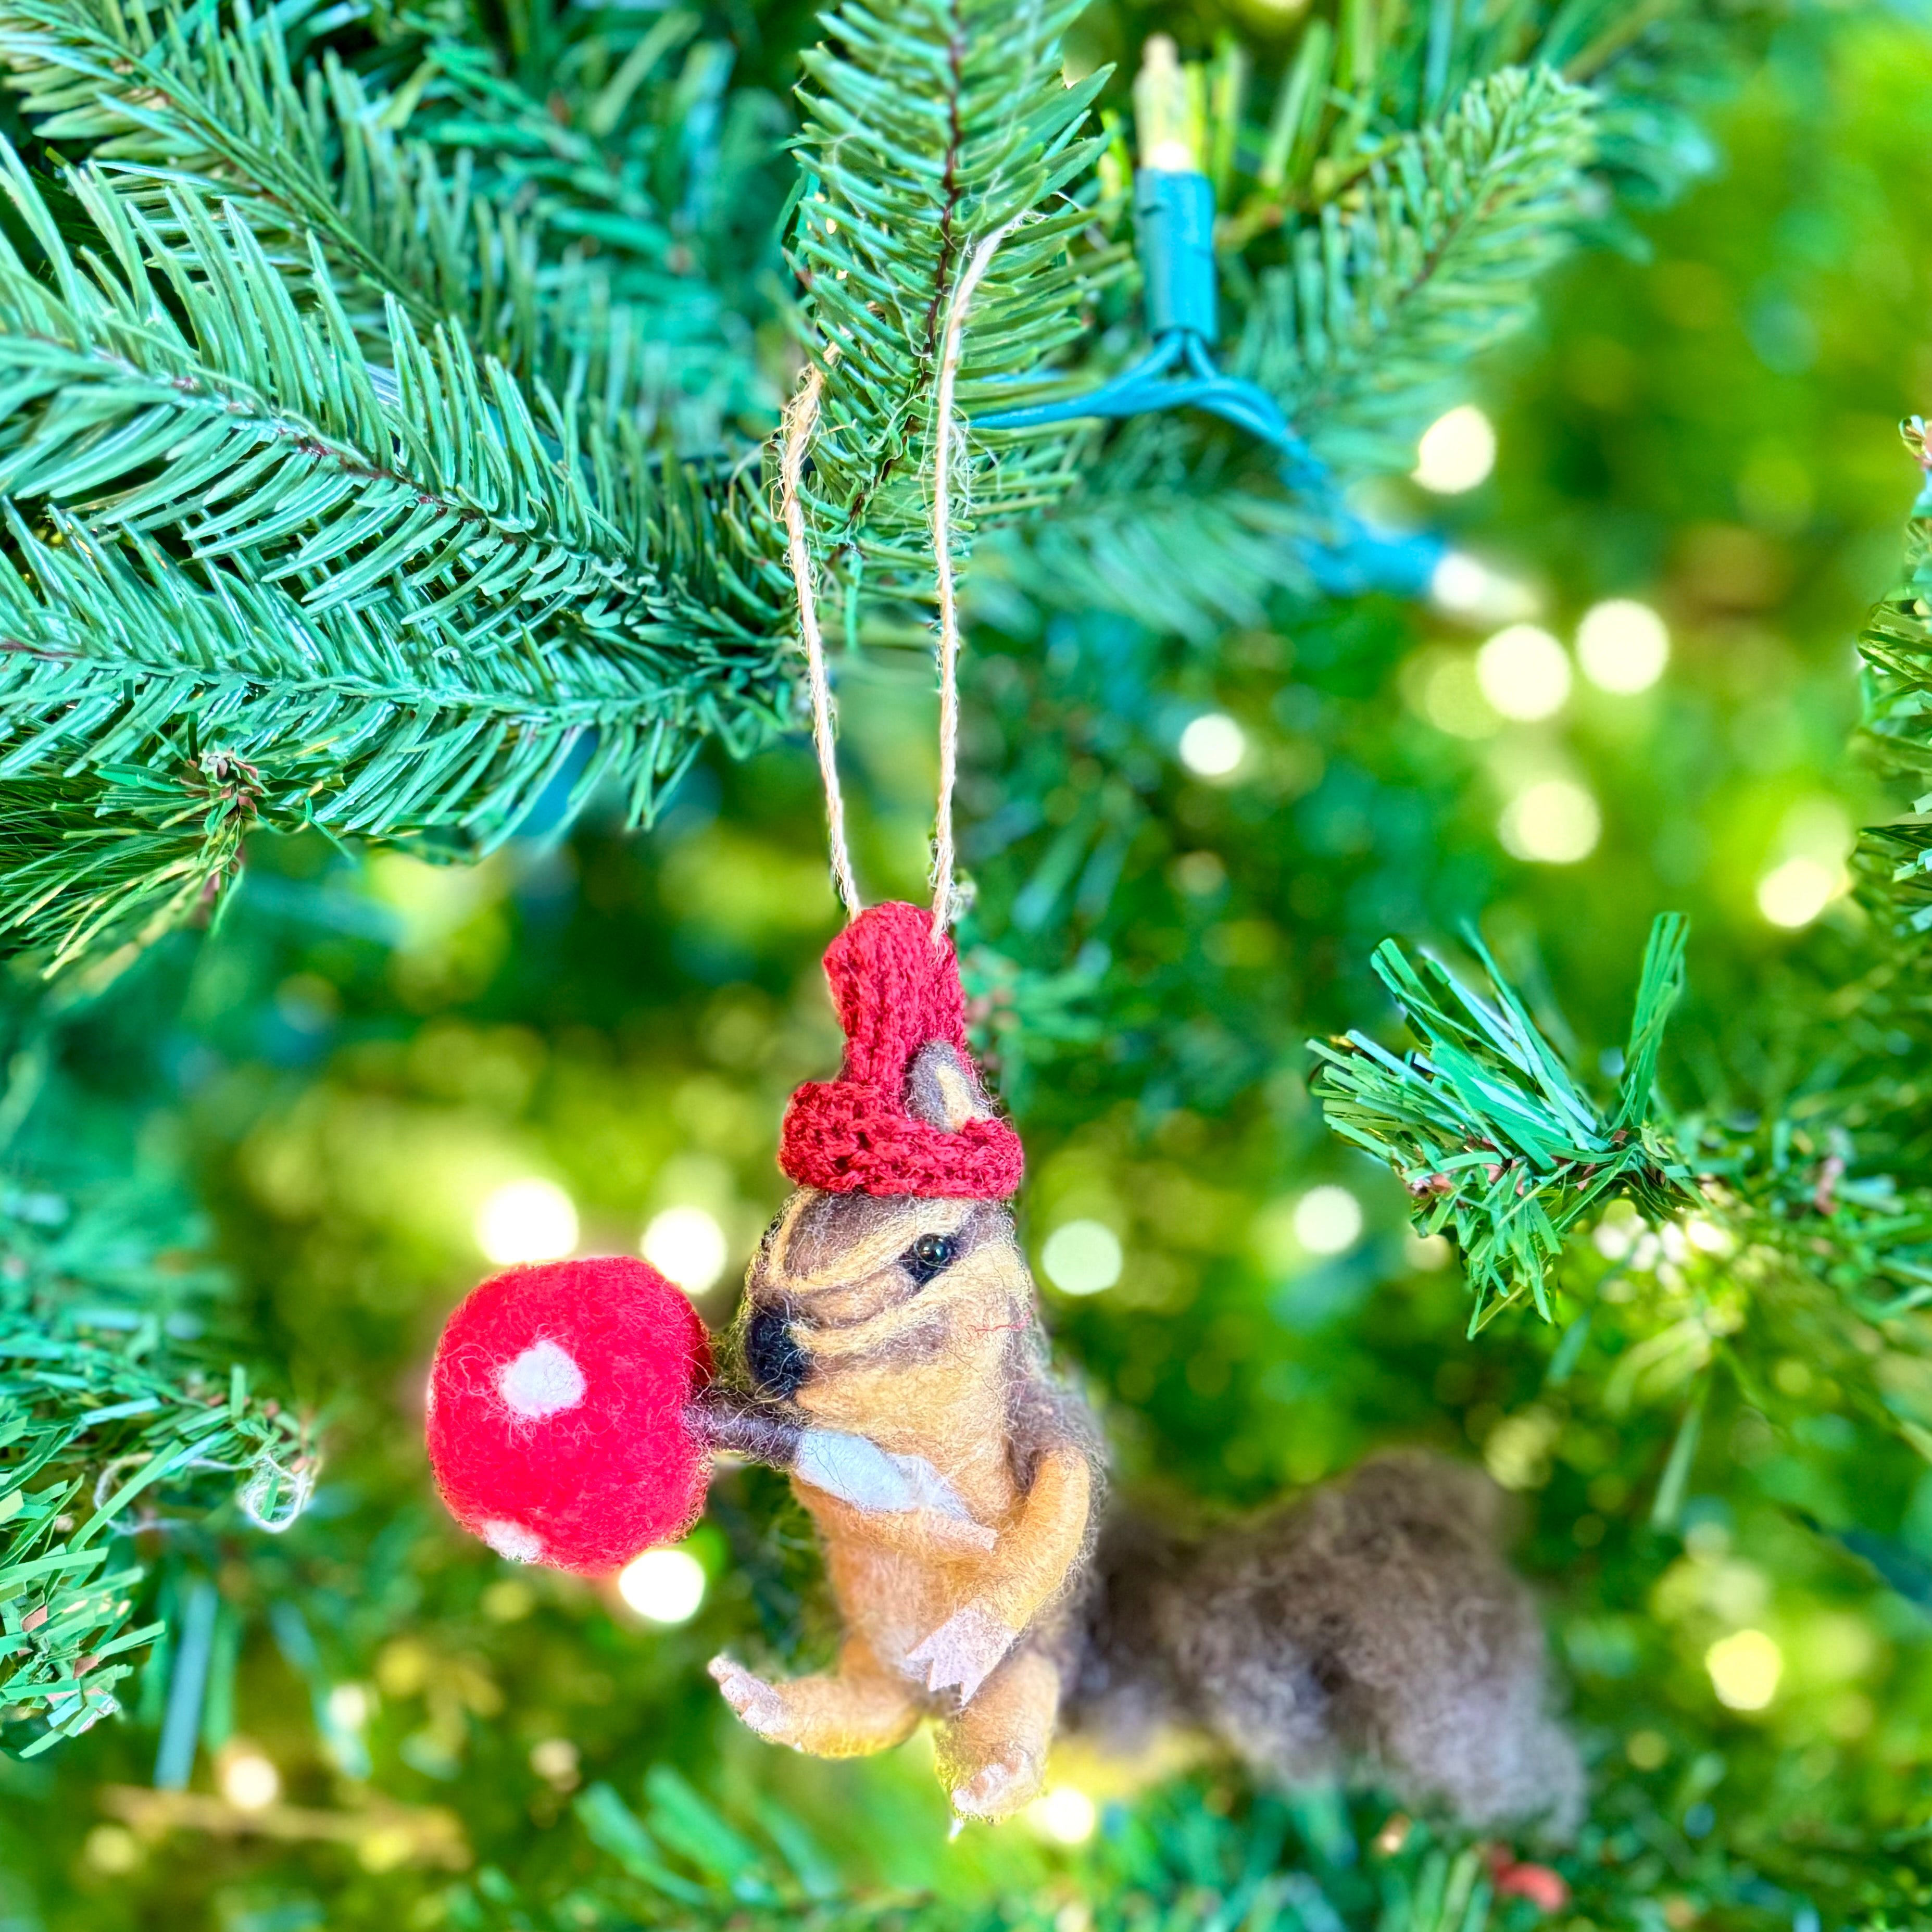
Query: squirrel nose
x,y
777,1363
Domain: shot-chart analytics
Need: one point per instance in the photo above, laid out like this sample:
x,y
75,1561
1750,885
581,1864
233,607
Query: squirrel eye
x,y
929,1256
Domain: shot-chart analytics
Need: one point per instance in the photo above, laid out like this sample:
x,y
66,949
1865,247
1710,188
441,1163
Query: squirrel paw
x,y
759,1707
998,1789
962,1654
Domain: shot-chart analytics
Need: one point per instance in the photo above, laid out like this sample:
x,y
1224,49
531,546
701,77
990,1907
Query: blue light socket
x,y
1174,221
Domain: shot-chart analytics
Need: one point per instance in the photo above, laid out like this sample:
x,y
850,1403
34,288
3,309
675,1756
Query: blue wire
x,y
1175,212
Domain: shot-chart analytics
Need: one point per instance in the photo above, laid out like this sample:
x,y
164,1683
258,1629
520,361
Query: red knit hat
x,y
897,991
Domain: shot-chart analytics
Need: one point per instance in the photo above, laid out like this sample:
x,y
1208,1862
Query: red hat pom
x,y
897,991
556,1413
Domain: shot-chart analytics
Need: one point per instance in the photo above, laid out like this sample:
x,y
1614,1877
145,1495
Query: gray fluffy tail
x,y
1371,1630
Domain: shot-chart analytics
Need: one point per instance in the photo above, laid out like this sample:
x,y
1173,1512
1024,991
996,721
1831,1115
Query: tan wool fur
x,y
1373,1629
960,1620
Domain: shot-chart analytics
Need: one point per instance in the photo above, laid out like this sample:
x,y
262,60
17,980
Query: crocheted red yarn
x,y
555,1421
896,991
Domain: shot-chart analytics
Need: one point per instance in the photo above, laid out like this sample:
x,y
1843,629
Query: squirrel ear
x,y
943,1090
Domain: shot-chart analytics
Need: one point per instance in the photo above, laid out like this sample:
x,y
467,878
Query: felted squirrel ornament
x,y
888,1352
1374,1627
890,1301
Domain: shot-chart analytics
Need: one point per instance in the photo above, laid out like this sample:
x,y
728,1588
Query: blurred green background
x,y
357,1062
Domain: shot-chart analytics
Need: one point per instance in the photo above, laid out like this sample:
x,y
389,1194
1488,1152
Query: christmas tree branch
x,y
104,1422
1140,537
1316,1857
648,185
1896,646
116,858
926,131
1759,1242
150,714
1489,1130
314,159
250,430
163,92
441,590
1450,229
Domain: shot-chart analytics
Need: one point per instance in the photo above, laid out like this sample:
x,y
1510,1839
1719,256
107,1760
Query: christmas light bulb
x,y
248,1780
1328,1220
1744,1668
1213,745
1066,1815
1524,673
1795,893
1164,110
1622,645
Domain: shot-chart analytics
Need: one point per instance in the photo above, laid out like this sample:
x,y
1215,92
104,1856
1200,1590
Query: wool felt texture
x,y
557,1418
852,1467
896,991
911,1321
1372,1629
519,1355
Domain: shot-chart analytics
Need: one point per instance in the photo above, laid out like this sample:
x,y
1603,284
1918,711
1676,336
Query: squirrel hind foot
x,y
998,1789
757,1704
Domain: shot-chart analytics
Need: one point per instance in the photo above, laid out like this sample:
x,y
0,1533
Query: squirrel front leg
x,y
1031,1561
1029,1567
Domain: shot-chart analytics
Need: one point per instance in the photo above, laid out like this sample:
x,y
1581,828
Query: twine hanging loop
x,y
801,419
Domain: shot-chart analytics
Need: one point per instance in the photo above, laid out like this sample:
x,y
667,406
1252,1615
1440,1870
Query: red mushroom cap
x,y
556,1425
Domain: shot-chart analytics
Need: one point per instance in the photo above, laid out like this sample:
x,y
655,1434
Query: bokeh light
x,y
248,1780
1441,686
1212,745
1795,893
528,1220
1465,586
1622,645
1065,1814
1427,1252
1552,823
350,1706
556,1760
1745,1668
1081,1257
1524,673
1457,452
663,1586
686,1246
113,1849
1328,1220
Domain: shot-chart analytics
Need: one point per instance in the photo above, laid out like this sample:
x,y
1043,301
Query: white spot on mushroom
x,y
513,1541
540,1381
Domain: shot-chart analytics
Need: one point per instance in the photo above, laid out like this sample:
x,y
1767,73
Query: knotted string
x,y
801,418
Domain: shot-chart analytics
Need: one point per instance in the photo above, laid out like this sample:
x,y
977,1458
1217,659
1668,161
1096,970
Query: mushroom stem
x,y
852,1468
721,1418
